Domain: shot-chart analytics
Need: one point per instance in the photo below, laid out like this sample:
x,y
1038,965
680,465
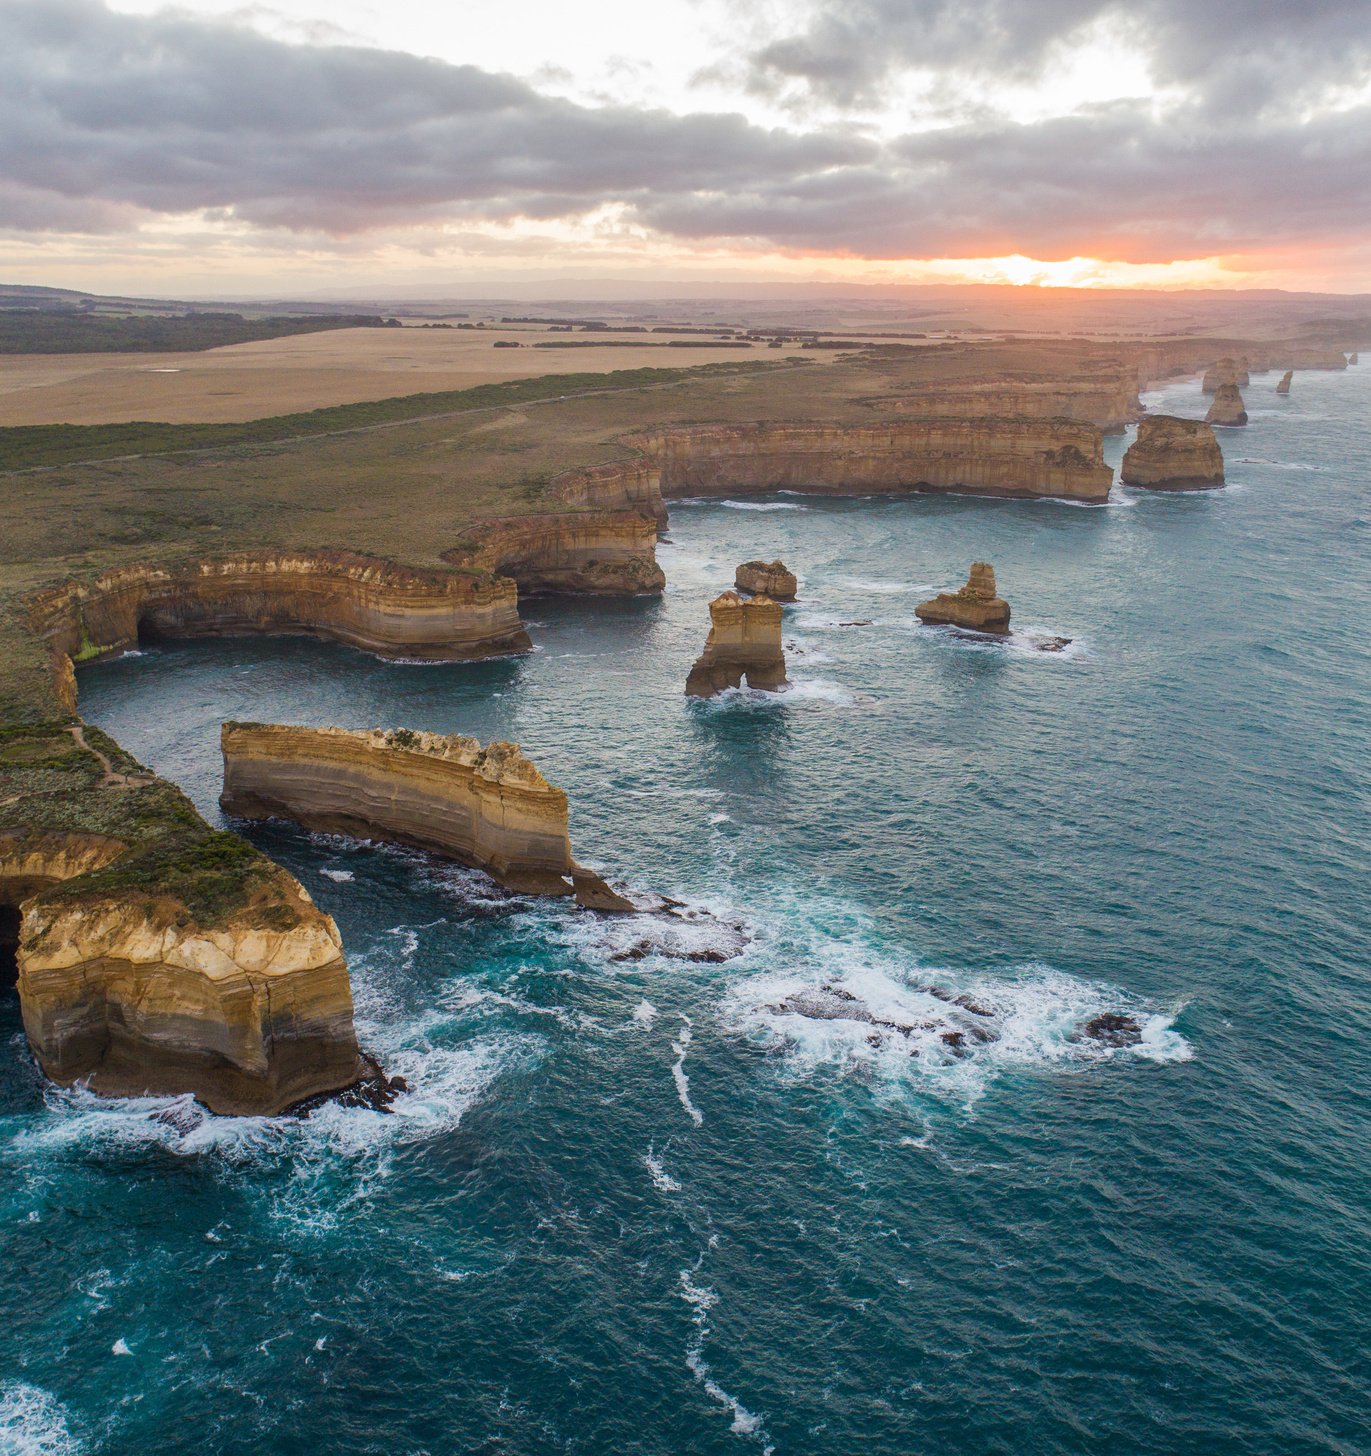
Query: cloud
x,y
109,119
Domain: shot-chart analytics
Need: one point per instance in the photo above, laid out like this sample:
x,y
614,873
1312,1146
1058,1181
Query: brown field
x,y
306,371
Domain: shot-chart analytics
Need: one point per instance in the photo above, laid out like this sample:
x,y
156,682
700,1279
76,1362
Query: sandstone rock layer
x,y
977,607
581,553
1017,458
485,807
767,579
1110,404
744,642
1284,386
1173,454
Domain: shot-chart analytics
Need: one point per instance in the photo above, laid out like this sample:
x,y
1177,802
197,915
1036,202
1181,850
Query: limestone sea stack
x,y
767,579
1354,358
977,606
1284,386
1228,408
1225,371
744,642
487,807
1173,454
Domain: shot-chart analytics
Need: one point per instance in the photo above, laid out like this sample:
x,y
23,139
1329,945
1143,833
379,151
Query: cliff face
x,y
977,606
1021,458
744,641
586,553
1110,404
631,485
389,610
766,579
485,807
1173,454
152,954
1228,408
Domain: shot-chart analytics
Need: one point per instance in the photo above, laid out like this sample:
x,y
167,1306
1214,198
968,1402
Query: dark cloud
x,y
847,51
104,118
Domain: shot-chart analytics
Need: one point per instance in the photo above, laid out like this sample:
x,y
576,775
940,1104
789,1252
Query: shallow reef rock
x,y
977,607
1226,371
1228,407
766,579
392,611
1173,454
744,642
487,807
1020,458
153,955
1284,386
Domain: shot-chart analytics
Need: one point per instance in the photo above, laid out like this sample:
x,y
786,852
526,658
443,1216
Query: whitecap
x,y
736,505
34,1423
645,1013
120,1347
681,1046
662,1181
701,1300
341,876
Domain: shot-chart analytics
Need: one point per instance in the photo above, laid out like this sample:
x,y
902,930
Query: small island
x,y
1228,408
767,579
977,606
744,642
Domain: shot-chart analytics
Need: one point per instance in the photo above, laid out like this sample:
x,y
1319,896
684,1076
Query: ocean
x,y
823,1161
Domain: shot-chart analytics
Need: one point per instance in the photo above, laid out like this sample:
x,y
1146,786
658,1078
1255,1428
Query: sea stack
x,y
1173,454
1228,408
485,807
1354,358
977,606
1225,371
766,579
1284,386
744,642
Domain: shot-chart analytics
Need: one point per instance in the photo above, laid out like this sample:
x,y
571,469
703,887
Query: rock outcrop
x,y
1354,358
1284,386
766,579
977,607
1226,371
485,807
580,553
1016,458
1228,408
1173,454
153,955
392,611
744,642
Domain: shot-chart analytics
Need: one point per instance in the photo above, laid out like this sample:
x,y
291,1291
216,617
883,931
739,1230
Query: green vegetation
x,y
25,446
52,786
69,331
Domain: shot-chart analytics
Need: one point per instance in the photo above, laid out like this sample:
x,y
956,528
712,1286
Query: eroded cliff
x,y
1017,458
1111,403
153,955
1173,454
582,553
485,807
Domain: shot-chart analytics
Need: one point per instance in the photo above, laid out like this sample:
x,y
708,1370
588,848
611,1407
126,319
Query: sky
x,y
328,146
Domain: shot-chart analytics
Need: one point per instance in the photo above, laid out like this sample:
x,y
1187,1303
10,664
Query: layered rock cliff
x,y
1173,454
485,807
766,579
744,641
1110,404
1284,386
626,485
393,611
153,955
977,606
1228,407
1020,458
583,553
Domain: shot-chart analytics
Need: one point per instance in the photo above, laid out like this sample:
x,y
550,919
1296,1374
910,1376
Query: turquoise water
x,y
646,1205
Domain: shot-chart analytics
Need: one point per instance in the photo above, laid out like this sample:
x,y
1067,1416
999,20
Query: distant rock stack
x,y
1354,358
744,642
766,579
1173,454
977,606
1228,408
1284,386
1226,371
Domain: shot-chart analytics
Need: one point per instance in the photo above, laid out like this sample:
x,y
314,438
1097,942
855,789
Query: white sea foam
x,y
701,1300
645,1013
681,1046
735,505
34,1423
799,692
120,1347
661,1179
342,876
